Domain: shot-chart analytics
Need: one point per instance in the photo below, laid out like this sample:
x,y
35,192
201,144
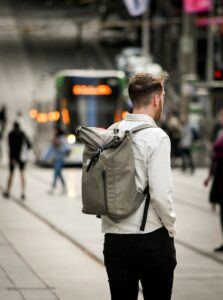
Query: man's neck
x,y
143,111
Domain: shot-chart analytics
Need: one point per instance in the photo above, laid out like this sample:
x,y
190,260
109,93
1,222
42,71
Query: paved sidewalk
x,y
199,273
36,263
17,279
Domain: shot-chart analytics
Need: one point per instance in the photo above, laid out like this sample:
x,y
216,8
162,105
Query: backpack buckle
x,y
127,133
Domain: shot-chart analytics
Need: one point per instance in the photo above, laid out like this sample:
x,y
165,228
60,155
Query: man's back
x,y
151,149
16,139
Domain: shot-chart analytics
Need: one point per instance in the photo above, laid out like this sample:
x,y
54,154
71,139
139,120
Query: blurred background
x,y
41,39
65,63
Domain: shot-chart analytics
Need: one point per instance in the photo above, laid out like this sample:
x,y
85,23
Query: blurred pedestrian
x,y
17,142
174,132
218,126
24,123
186,143
3,118
3,121
57,152
20,119
216,171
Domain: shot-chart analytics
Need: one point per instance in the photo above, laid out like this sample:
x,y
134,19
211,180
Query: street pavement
x,y
50,250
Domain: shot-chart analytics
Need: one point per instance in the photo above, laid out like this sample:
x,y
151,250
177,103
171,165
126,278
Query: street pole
x,y
187,60
210,50
146,31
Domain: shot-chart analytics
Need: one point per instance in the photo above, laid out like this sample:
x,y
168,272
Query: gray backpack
x,y
108,175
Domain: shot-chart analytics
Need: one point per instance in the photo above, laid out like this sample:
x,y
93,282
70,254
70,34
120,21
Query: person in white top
x,y
148,256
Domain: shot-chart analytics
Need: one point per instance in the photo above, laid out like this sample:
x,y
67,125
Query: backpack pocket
x,y
94,191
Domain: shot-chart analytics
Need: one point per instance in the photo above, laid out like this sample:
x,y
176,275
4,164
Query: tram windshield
x,y
88,101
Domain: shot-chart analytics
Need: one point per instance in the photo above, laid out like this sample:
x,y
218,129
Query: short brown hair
x,y
143,86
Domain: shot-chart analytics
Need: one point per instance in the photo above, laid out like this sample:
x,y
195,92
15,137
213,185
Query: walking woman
x,y
216,171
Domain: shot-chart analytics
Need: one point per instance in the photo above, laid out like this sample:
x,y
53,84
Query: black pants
x,y
149,258
187,160
221,216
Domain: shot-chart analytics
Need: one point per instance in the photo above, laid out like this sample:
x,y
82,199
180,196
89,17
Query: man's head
x,y
147,94
16,126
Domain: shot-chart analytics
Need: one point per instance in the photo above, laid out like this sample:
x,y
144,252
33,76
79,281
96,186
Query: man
x,y
16,141
149,256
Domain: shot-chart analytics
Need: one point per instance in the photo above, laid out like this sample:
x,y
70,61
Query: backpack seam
x,y
114,178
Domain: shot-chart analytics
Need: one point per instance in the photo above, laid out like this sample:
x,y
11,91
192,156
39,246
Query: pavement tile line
x,y
59,231
11,280
63,234
84,249
48,288
96,258
195,206
89,253
178,241
55,228
199,251
182,279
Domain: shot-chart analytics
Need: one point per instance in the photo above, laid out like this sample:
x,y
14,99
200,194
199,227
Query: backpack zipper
x,y
105,188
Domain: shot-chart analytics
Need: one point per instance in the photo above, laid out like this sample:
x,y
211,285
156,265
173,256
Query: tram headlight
x,y
33,113
71,139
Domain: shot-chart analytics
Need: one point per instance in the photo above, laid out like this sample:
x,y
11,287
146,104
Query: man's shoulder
x,y
156,132
153,137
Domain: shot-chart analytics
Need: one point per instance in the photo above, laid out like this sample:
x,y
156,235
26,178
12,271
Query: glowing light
x,y
124,114
33,113
65,116
71,139
53,116
117,116
218,74
101,89
42,117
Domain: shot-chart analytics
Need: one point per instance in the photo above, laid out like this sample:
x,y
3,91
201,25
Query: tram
x,y
82,97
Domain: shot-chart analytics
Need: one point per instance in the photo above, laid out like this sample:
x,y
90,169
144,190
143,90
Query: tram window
x,y
93,111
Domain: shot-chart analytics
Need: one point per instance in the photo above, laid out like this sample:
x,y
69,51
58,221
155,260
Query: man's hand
x,y
213,206
206,181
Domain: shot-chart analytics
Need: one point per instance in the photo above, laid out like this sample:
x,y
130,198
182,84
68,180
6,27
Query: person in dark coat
x,y
17,140
3,118
218,126
216,171
3,121
174,132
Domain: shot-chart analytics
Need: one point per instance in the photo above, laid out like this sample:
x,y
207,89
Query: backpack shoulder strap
x,y
146,208
135,129
114,126
141,127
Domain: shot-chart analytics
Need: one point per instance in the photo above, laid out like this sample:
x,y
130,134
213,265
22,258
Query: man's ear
x,y
156,100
